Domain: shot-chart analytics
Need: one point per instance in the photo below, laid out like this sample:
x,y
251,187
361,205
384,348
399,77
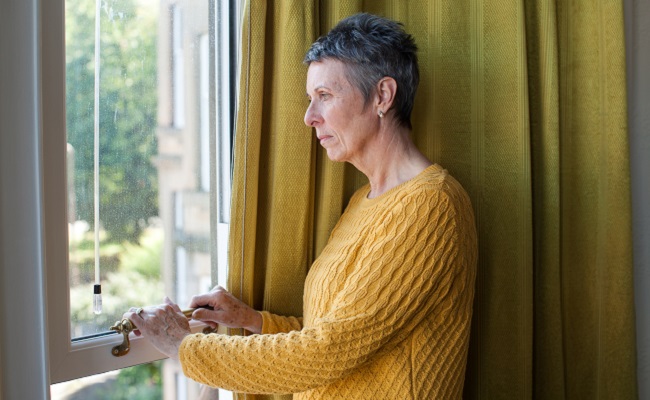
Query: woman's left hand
x,y
164,326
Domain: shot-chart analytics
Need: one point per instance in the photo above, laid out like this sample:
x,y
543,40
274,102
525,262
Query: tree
x,y
128,187
127,113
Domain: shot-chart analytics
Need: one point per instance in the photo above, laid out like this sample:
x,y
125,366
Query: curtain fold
x,y
524,103
271,220
274,163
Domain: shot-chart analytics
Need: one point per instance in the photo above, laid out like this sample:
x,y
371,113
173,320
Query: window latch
x,y
126,326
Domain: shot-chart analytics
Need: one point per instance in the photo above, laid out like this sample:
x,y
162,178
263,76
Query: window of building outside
x,y
148,113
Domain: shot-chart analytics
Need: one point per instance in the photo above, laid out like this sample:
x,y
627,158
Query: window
x,y
204,112
178,66
164,125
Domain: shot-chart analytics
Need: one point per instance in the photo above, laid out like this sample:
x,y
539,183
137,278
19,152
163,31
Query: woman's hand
x,y
226,310
164,326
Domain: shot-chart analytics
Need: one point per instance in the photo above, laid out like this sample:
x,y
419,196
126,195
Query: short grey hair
x,y
372,48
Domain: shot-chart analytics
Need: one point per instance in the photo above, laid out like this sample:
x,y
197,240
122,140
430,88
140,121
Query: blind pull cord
x,y
97,288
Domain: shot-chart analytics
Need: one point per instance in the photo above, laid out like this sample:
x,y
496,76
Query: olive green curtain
x,y
524,102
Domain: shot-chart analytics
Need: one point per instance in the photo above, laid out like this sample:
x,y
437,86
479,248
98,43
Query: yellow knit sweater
x,y
387,307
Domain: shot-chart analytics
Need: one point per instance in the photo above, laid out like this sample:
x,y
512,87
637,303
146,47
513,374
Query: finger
x,y
164,310
202,300
136,319
213,298
134,311
172,304
203,314
128,313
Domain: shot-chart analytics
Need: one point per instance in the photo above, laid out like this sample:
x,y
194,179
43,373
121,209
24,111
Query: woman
x,y
388,303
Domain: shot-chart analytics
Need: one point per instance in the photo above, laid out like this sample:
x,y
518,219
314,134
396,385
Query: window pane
x,y
142,382
131,232
163,124
154,156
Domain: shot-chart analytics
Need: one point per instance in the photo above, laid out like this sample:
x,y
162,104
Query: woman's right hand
x,y
226,310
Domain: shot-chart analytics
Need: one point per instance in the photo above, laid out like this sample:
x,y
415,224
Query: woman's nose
x,y
311,116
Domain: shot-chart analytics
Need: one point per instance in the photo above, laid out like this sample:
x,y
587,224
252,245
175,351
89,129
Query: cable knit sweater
x,y
387,307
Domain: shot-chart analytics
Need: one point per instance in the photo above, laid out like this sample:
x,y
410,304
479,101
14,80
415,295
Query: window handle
x,y
126,326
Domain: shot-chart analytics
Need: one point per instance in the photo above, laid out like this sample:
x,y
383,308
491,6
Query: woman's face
x,y
336,109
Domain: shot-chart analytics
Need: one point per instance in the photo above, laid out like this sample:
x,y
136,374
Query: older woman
x,y
388,303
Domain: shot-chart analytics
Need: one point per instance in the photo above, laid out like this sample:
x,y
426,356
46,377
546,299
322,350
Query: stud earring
x,y
381,114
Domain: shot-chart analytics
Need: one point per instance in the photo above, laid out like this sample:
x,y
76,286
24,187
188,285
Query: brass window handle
x,y
126,326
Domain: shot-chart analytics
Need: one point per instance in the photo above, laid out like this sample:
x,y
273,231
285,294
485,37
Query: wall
x,y
23,365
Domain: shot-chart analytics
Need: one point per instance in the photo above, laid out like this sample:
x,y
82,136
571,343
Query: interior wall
x,y
637,32
23,349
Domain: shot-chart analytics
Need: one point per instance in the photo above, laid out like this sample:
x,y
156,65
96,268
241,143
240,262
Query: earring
x,y
381,114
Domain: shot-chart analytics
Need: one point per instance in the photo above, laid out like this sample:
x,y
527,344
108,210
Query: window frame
x,y
70,360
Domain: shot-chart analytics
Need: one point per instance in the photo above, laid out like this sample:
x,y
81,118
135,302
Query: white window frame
x,y
178,69
204,112
70,360
23,346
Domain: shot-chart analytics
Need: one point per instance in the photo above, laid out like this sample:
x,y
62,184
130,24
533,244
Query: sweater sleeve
x,y
412,258
273,323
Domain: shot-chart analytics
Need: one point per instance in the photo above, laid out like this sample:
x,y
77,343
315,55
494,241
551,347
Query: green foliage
x,y
127,113
141,382
145,259
130,247
133,280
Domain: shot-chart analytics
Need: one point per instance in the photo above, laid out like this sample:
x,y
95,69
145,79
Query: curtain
x,y
524,103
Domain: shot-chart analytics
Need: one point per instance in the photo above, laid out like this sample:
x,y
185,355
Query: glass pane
x,y
142,382
154,154
163,84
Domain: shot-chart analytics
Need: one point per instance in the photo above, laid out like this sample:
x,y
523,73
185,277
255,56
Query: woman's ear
x,y
386,91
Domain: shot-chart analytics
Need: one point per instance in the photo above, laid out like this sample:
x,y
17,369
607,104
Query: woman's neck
x,y
390,161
